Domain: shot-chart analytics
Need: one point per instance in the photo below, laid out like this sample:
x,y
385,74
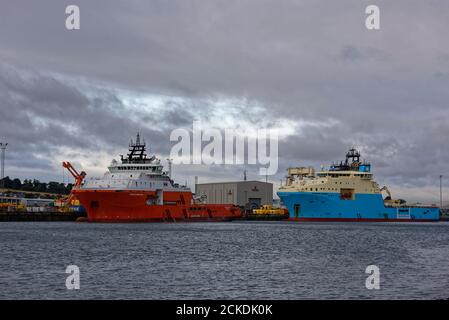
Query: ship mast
x,y
137,152
352,162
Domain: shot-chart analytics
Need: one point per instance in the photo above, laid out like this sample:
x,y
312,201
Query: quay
x,y
40,216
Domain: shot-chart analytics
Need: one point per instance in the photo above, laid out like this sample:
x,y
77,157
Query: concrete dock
x,y
40,216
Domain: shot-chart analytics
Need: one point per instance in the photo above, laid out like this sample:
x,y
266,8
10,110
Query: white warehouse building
x,y
248,194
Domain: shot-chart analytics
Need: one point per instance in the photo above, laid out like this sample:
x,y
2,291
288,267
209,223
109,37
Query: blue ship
x,y
345,192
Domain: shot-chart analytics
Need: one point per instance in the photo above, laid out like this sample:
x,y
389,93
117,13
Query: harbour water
x,y
235,260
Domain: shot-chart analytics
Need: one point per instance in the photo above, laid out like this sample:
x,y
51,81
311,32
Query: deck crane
x,y
384,188
79,177
389,201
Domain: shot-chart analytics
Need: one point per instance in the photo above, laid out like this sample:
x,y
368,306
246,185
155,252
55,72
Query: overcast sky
x,y
310,68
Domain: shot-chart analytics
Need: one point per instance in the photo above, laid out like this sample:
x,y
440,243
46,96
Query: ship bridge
x,y
137,160
351,174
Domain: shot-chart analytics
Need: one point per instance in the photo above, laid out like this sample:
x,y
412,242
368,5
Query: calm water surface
x,y
235,260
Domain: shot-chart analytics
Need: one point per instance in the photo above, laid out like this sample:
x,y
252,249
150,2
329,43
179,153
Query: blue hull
x,y
329,206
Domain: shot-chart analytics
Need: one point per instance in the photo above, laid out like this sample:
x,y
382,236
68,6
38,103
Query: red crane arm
x,y
78,176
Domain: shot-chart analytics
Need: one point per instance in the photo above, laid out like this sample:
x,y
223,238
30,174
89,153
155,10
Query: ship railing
x,y
417,205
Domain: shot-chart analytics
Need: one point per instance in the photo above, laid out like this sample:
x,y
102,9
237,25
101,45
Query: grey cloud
x,y
301,60
352,53
38,110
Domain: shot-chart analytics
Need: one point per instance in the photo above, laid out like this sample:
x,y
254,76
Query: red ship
x,y
136,189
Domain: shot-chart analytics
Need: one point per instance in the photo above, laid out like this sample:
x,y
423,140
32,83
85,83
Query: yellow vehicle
x,y
267,209
65,204
12,206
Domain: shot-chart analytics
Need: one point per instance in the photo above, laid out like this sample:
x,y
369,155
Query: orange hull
x,y
133,206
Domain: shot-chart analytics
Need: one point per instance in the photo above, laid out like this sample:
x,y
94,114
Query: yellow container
x,y
268,210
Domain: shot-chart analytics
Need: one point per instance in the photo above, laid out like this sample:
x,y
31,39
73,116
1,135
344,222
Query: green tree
x,y
6,183
27,185
16,184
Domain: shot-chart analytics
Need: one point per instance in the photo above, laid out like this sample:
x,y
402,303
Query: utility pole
x,y
441,191
3,150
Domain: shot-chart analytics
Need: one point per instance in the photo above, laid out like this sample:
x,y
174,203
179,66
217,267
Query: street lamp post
x,y
441,191
3,150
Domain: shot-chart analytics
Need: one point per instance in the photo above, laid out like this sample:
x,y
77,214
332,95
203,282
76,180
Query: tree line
x,y
35,185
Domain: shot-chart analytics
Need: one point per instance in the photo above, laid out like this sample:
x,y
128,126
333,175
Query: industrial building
x,y
249,194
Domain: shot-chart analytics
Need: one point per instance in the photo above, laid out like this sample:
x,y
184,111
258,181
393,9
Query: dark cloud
x,y
40,115
310,62
350,53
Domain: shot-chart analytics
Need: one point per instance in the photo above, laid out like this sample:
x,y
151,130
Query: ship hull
x,y
321,206
358,220
134,206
